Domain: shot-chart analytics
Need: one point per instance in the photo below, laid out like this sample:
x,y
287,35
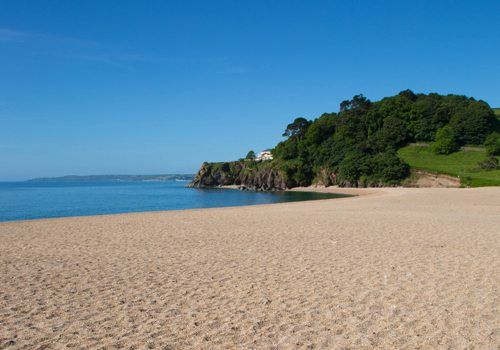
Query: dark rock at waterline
x,y
246,175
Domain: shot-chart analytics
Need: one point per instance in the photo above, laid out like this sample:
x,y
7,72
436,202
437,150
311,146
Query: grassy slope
x,y
462,164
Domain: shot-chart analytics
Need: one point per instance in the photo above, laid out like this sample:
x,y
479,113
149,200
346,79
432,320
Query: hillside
x,y
462,164
358,145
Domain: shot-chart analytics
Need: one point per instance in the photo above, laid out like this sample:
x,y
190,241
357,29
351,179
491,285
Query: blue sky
x,y
143,87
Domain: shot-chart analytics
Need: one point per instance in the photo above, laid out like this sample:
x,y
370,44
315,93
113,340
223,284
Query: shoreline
x,y
352,192
232,187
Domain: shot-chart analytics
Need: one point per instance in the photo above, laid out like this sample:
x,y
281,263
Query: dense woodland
x,y
359,143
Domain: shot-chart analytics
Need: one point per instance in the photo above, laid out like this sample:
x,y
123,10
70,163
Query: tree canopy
x,y
297,128
358,144
250,155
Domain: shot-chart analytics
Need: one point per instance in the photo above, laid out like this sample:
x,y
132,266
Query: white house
x,y
264,155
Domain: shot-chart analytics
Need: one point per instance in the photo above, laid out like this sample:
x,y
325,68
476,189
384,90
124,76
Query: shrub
x,y
492,144
446,142
491,163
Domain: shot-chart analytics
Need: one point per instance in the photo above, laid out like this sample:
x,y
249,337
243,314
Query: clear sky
x,y
146,87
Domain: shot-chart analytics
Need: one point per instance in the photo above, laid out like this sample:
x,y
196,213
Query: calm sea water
x,y
31,200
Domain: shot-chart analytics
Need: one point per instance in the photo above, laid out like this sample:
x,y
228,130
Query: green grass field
x,y
497,111
462,164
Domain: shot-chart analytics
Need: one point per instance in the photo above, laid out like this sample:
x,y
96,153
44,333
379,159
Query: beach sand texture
x,y
396,269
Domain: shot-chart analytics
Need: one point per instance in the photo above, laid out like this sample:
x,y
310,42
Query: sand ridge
x,y
403,268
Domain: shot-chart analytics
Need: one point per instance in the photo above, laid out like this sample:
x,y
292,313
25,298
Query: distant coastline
x,y
115,178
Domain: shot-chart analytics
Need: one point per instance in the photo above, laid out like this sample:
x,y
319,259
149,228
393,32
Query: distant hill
x,y
115,178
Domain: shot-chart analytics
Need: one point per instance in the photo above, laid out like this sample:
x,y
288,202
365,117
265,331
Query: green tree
x,y
473,123
358,143
392,134
298,128
321,129
425,117
446,142
355,164
410,95
492,144
388,168
359,103
288,149
298,171
250,155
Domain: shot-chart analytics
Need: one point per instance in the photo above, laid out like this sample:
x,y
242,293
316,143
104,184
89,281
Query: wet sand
x,y
394,268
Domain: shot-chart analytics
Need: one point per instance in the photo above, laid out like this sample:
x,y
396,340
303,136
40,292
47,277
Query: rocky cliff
x,y
263,176
247,175
266,176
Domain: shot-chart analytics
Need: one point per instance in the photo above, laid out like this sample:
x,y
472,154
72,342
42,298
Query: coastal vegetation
x,y
492,144
465,164
250,155
366,143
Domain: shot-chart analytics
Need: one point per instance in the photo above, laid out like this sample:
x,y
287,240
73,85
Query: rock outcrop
x,y
262,176
265,176
245,175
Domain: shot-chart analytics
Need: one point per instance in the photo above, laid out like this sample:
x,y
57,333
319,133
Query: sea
x,y
36,200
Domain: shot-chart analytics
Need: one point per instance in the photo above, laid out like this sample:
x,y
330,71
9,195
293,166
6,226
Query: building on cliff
x,y
264,155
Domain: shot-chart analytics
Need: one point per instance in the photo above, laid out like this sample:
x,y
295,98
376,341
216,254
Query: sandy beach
x,y
391,269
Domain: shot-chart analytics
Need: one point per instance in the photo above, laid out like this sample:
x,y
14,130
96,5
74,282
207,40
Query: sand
x,y
394,269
